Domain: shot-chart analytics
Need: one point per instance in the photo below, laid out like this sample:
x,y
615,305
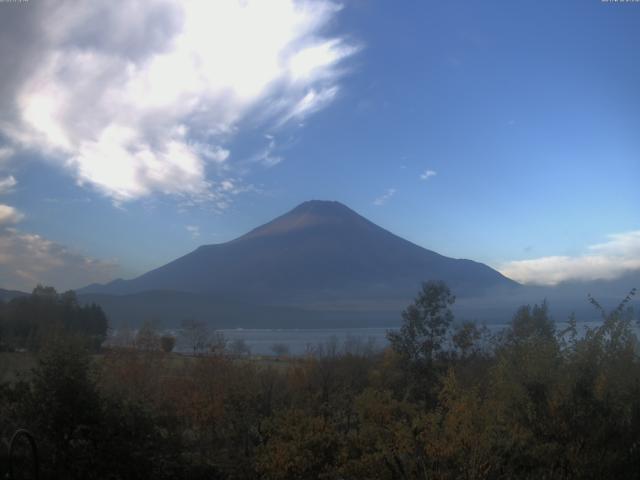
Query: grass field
x,y
17,365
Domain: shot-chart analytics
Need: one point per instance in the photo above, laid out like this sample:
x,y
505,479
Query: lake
x,y
261,341
299,341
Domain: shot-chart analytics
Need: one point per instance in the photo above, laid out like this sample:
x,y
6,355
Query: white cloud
x,y
5,154
319,59
143,97
212,153
608,260
9,215
428,174
313,101
28,259
382,199
194,230
7,184
267,157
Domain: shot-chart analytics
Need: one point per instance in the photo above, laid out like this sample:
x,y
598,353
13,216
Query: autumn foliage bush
x,y
444,401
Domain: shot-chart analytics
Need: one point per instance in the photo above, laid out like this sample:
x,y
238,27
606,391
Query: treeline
x,y
30,321
444,401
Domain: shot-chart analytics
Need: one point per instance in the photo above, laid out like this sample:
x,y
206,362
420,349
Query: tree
x,y
218,343
530,322
147,338
196,335
300,446
44,292
461,436
425,325
239,347
167,343
123,336
64,406
280,349
30,320
419,342
467,339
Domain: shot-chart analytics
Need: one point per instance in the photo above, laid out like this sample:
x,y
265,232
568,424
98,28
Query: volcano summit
x,y
319,253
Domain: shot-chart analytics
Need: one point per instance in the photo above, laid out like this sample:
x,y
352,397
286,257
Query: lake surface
x,y
306,340
299,341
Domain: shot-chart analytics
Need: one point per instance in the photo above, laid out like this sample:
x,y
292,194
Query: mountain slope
x,y
6,295
318,252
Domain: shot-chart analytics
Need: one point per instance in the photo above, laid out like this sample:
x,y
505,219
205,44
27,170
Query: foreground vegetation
x,y
443,402
29,322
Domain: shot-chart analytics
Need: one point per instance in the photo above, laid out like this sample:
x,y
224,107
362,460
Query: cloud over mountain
x,y
608,260
27,259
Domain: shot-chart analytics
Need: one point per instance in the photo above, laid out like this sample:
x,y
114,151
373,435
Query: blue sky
x,y
120,152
